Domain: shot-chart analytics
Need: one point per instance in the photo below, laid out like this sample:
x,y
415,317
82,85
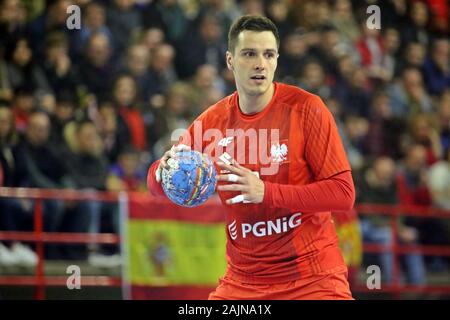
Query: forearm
x,y
333,194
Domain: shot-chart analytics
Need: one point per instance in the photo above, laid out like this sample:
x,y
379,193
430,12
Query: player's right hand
x,y
167,155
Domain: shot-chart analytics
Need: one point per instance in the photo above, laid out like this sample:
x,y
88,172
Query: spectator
x,y
94,21
44,168
88,168
413,56
174,115
278,12
378,186
112,130
294,50
23,105
409,95
127,174
66,106
168,16
415,28
126,100
204,45
423,132
13,17
204,81
411,178
137,65
52,19
345,22
124,20
443,116
313,79
22,68
436,69
97,68
439,185
14,213
162,70
385,130
151,38
58,66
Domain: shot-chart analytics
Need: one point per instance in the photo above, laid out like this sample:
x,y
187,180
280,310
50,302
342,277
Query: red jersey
x,y
271,242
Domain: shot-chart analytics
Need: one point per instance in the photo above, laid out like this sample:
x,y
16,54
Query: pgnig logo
x,y
265,228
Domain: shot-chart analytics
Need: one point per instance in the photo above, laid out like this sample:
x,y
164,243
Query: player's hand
x,y
245,181
167,155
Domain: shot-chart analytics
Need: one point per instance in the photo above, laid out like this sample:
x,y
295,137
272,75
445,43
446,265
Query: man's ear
x,y
229,59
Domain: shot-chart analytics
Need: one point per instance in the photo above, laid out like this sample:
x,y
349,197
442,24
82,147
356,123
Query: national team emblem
x,y
233,230
278,152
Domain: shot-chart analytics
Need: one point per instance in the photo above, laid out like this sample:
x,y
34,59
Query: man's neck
x,y
254,104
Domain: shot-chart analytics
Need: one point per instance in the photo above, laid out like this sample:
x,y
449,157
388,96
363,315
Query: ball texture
x,y
191,179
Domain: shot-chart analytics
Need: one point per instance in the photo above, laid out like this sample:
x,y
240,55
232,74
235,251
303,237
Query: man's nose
x,y
259,65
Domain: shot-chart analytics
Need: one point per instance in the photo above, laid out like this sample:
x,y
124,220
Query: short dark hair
x,y
251,23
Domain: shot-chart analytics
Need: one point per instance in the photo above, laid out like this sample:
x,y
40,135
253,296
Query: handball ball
x,y
191,179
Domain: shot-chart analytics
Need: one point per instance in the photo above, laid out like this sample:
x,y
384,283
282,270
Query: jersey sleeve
x,y
324,150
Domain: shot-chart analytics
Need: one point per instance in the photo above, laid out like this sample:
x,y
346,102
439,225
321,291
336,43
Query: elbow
x,y
348,193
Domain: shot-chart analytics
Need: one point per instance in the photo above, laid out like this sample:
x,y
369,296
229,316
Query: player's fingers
x,y
229,178
237,199
232,187
230,168
237,165
181,147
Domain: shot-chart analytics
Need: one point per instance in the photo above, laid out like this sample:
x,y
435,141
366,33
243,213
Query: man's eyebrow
x,y
253,49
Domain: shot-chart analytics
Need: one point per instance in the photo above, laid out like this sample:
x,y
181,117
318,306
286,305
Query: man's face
x,y
254,61
38,129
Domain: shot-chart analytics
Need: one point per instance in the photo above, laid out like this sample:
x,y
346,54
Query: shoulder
x,y
298,98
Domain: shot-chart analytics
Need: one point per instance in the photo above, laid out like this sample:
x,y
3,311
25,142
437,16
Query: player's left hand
x,y
245,181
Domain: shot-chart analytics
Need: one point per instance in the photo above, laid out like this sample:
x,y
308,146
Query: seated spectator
x,y
409,96
97,67
137,65
168,16
126,100
23,104
436,69
113,130
294,49
313,79
443,116
58,66
355,130
439,185
412,186
14,213
124,20
175,114
204,81
378,186
88,168
23,68
66,106
162,70
44,168
203,45
421,130
127,174
385,130
413,55
94,14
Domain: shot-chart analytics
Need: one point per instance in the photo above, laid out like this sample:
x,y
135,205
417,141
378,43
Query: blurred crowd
x,y
91,108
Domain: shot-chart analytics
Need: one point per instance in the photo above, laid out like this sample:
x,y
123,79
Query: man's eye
x,y
270,55
249,54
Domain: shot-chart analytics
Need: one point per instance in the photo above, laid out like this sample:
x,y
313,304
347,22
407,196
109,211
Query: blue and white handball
x,y
191,179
